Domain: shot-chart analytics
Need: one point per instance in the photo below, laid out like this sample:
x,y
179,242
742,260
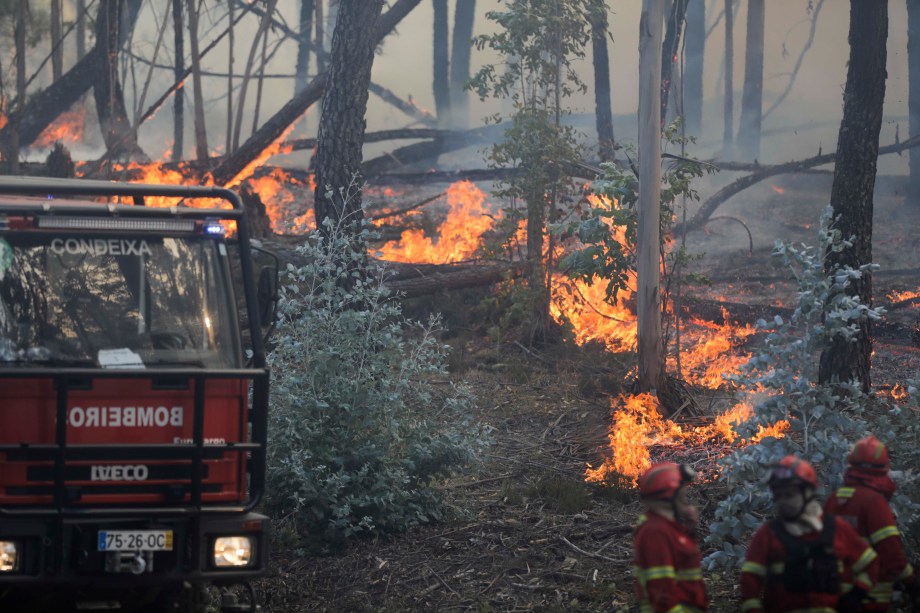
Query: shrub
x,y
363,415
824,420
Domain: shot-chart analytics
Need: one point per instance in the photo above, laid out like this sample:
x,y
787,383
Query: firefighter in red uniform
x,y
666,558
863,502
801,560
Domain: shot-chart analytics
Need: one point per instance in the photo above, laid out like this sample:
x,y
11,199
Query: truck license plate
x,y
135,540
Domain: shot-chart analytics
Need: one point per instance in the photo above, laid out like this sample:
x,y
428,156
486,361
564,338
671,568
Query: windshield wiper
x,y
179,363
50,361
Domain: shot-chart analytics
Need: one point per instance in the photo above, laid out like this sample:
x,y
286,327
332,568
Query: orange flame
x,y
275,148
900,296
637,424
777,189
274,190
67,128
458,237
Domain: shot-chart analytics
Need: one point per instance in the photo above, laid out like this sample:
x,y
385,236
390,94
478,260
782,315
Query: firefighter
x,y
863,502
666,558
802,559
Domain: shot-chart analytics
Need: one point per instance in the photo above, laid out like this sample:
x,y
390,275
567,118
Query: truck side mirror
x,y
266,264
267,295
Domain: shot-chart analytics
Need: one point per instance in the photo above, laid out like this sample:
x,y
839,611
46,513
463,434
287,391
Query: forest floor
x,y
526,533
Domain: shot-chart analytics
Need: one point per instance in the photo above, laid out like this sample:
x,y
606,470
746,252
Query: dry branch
x,y
276,125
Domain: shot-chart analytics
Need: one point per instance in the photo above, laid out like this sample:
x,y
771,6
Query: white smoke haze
x,y
807,119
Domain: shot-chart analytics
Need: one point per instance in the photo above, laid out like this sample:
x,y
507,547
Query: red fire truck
x,y
133,397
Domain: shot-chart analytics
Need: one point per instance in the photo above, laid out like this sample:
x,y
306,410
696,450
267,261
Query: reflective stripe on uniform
x,y
846,492
684,608
751,603
907,572
754,568
656,572
864,560
883,533
881,592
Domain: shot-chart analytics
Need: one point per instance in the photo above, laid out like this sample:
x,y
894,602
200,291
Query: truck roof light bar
x,y
103,223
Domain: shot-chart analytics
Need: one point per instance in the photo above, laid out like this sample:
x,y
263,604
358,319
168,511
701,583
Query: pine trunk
x,y
913,97
201,132
669,52
304,44
728,105
178,72
464,15
441,63
752,95
57,47
693,70
603,109
342,122
854,179
650,344
120,137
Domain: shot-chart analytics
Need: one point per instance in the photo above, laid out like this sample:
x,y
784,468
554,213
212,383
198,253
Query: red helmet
x,y
793,470
661,481
870,453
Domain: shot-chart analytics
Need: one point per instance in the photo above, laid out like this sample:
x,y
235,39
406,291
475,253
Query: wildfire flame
x,y
458,237
274,189
637,425
777,189
901,296
67,128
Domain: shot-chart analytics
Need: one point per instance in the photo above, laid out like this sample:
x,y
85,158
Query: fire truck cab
x,y
133,396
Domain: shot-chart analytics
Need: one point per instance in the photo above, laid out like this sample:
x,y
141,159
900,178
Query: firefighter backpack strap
x,y
810,566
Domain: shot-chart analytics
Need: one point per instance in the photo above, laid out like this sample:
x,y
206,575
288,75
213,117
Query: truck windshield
x,y
113,301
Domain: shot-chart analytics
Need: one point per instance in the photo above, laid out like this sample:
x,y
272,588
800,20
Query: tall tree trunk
x,y
603,107
854,178
441,76
57,48
464,16
231,42
201,132
670,50
81,29
320,37
120,138
728,106
342,122
913,97
752,96
693,69
19,37
304,43
650,344
178,71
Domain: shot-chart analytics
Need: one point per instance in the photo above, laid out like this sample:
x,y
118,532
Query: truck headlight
x,y
233,551
9,556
